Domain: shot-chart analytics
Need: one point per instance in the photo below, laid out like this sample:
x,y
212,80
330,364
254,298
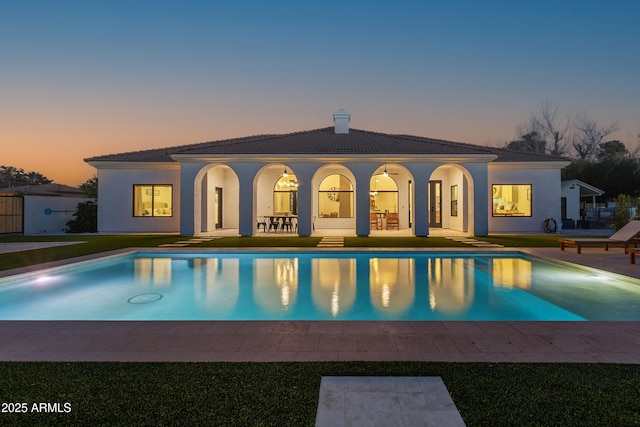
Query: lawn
x,y
286,394
97,243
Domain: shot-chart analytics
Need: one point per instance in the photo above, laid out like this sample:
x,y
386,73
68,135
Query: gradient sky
x,y
89,77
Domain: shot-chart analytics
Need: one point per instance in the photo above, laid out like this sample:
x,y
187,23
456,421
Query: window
x,y
454,200
511,200
335,197
152,200
285,195
383,194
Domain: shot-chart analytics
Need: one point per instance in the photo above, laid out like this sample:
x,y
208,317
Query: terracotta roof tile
x,y
322,142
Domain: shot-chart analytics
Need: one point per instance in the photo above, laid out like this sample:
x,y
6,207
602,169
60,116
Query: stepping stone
x,y
173,245
388,401
332,242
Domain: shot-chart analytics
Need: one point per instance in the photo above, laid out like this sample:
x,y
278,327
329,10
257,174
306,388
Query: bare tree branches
x,y
589,135
550,127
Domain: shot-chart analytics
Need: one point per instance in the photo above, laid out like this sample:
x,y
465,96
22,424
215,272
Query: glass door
x,y
435,205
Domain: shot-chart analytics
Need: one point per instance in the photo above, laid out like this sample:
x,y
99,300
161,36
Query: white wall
x,y
115,200
573,200
49,214
545,196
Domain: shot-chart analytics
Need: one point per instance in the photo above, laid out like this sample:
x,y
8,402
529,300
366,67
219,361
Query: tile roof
x,y
323,142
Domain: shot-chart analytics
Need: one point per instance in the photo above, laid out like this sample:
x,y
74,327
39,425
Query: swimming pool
x,y
319,285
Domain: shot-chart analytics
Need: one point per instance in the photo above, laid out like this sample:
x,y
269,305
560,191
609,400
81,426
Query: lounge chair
x,y
632,254
627,235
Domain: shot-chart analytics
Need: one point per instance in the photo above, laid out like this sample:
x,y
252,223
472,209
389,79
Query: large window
x,y
335,197
383,194
152,200
511,200
285,195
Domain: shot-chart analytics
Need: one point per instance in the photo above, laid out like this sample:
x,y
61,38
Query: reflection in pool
x,y
310,285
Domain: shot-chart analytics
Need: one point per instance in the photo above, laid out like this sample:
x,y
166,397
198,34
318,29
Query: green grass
x,y
97,243
91,244
286,394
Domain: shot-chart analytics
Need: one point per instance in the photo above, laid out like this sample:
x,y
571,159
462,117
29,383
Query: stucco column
x,y
421,173
362,173
188,172
246,173
304,174
480,197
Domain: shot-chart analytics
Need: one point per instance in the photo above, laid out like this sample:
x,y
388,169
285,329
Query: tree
x,y
549,127
14,177
86,218
529,142
90,187
589,135
612,150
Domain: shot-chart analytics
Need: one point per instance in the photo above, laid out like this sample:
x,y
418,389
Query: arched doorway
x,y
391,199
276,198
216,194
450,195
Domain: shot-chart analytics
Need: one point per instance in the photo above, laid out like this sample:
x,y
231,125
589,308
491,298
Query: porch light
x,y
385,172
285,174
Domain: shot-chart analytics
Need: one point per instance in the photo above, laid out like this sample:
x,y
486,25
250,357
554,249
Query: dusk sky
x,y
85,78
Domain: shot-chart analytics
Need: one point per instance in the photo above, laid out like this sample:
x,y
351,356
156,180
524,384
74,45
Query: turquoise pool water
x,y
314,285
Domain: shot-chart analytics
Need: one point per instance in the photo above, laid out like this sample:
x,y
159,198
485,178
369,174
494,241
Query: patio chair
x,y
274,223
262,223
632,254
287,224
393,220
373,221
627,235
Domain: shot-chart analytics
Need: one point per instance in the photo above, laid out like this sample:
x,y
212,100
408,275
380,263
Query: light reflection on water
x,y
315,286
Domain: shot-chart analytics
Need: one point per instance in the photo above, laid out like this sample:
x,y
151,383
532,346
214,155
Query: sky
x,y
86,78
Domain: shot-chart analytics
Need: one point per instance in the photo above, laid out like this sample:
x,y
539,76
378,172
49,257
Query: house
x,y
330,178
578,205
38,209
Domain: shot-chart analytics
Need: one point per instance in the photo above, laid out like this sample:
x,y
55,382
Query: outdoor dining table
x,y
278,219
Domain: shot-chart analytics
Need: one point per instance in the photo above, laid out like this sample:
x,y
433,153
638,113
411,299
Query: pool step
x,y
473,242
331,242
183,243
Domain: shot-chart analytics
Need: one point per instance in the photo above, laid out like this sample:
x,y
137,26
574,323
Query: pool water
x,y
314,285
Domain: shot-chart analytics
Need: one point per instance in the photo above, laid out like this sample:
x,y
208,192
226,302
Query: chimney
x,y
341,120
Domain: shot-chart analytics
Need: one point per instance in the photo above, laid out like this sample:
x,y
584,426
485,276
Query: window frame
x,y
505,214
153,195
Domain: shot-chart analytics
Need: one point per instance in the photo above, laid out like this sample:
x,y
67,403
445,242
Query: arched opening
x,y
276,199
450,199
216,195
333,199
391,200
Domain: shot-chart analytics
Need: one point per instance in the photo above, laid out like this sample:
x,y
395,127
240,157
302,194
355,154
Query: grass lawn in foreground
x,y
286,394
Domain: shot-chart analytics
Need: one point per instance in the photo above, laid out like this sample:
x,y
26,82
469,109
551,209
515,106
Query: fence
x,y
11,214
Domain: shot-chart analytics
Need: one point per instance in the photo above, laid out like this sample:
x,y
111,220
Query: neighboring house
x,y
329,178
45,208
578,201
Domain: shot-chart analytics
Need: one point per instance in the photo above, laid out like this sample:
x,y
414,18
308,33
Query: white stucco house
x,y
330,178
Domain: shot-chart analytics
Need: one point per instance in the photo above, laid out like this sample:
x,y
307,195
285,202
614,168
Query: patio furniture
x,y
274,223
627,235
374,223
262,223
287,223
632,254
393,221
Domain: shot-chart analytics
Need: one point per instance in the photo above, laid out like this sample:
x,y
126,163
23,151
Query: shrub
x,y
86,218
622,215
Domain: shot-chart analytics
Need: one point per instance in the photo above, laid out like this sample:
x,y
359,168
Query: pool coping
x,y
265,341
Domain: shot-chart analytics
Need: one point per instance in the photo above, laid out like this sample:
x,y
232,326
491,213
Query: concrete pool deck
x,y
262,341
